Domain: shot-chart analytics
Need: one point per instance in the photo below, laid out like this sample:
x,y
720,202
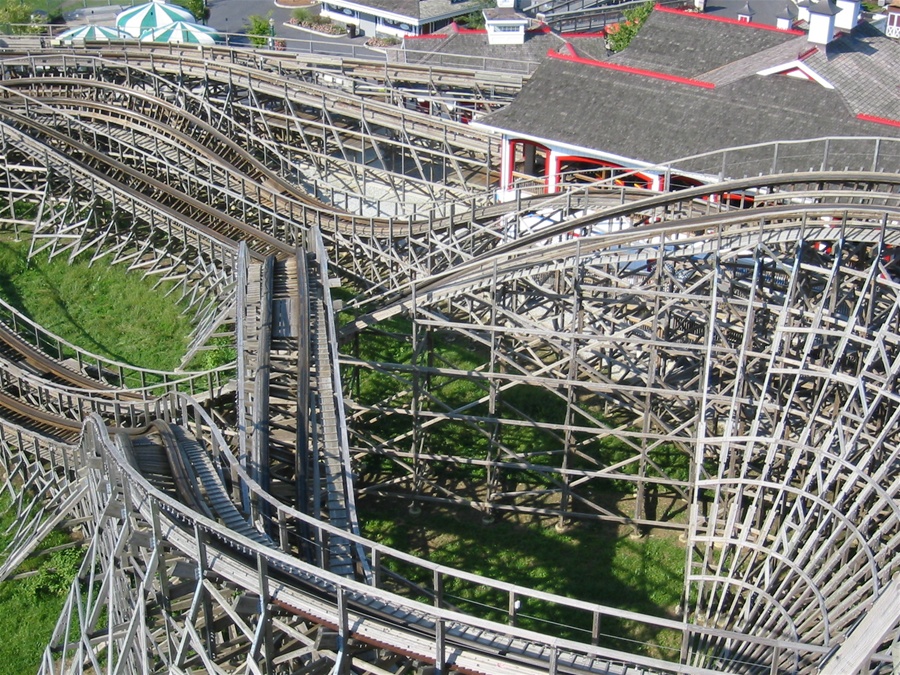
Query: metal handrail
x,y
280,518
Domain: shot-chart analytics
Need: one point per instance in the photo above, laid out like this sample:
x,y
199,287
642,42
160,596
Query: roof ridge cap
x,y
724,19
631,70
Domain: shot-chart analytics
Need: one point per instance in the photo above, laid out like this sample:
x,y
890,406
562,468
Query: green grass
x,y
588,561
120,315
389,343
31,606
103,309
106,310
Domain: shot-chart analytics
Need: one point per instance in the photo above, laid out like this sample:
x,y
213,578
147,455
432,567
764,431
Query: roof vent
x,y
821,21
848,17
785,20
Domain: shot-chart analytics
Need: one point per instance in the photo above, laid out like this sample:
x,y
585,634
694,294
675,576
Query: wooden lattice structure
x,y
743,363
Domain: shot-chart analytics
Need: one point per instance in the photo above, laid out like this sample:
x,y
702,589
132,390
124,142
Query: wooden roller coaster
x,y
758,346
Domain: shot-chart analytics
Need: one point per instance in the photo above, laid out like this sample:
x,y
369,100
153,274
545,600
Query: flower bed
x,y
320,24
382,42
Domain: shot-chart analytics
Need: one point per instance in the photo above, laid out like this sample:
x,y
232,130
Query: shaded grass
x,y
104,309
31,606
594,562
589,561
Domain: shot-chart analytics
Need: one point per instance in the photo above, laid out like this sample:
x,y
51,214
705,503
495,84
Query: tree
x,y
259,30
196,7
475,18
15,17
618,36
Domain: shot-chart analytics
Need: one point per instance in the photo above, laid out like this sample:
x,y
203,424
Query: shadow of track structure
x,y
739,365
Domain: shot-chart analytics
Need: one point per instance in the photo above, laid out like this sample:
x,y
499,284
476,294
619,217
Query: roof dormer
x,y
505,26
821,21
892,30
786,18
848,16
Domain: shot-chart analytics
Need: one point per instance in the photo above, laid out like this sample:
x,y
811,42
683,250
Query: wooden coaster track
x,y
761,344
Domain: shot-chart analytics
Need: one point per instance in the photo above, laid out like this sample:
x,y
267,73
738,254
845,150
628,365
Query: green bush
x,y
621,35
55,575
31,605
303,15
196,7
258,29
15,17
223,352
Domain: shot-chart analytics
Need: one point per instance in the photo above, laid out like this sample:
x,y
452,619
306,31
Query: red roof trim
x,y
794,72
601,34
722,19
634,71
809,52
878,120
425,36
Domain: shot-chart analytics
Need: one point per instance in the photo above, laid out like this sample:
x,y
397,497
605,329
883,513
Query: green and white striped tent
x,y
90,33
182,32
157,14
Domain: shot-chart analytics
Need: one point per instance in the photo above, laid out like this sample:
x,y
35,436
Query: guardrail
x,y
850,153
130,379
397,574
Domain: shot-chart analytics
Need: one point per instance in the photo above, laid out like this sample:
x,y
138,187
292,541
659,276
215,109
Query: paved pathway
x,y
230,16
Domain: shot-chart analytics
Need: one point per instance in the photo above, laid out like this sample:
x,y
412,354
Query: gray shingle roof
x,y
502,13
433,9
687,45
589,47
778,55
865,68
826,7
657,121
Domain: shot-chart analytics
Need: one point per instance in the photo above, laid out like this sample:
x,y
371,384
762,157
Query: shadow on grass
x,y
591,562
103,309
13,259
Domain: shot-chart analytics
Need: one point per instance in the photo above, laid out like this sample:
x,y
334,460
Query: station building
x,y
397,18
691,83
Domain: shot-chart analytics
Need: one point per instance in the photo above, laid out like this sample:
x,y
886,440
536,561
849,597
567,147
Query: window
x,y
399,25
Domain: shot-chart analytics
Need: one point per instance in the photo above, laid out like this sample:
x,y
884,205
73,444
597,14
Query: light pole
x,y
271,32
